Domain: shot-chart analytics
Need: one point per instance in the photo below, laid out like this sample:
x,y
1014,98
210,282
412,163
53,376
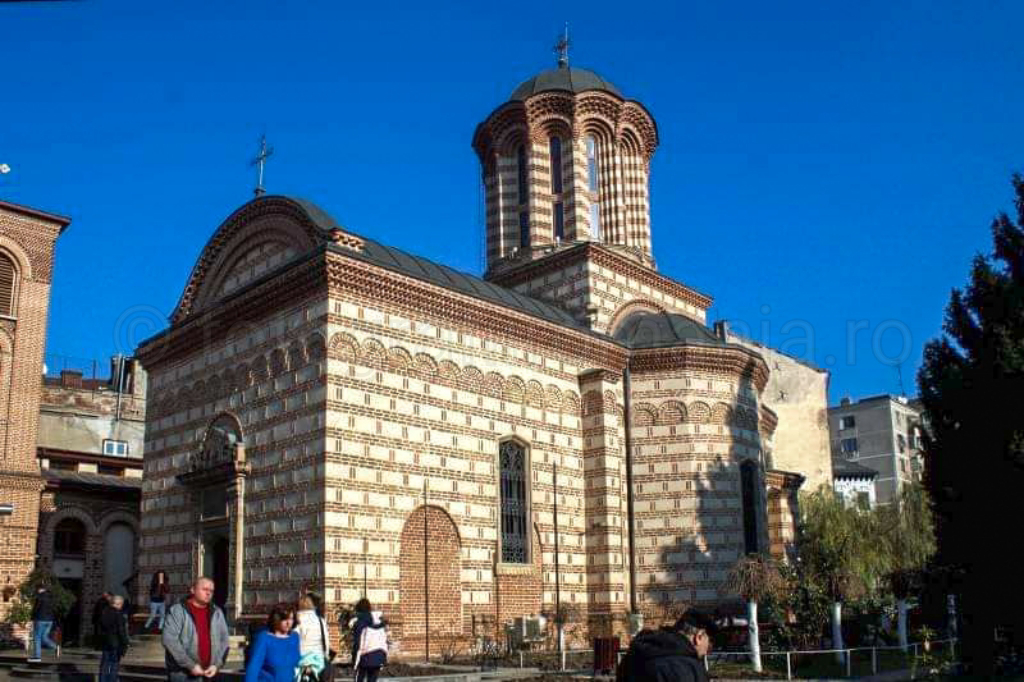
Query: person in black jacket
x,y
671,654
43,615
113,639
97,612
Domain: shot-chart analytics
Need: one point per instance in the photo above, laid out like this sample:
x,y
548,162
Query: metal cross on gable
x,y
260,160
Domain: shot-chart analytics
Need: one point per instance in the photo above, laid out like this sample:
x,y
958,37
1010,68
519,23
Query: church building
x,y
328,412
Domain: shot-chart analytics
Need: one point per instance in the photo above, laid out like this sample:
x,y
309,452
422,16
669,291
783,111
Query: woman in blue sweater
x,y
275,655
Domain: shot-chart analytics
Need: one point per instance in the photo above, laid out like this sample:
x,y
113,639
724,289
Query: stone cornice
x,y
734,360
572,112
783,480
607,258
601,375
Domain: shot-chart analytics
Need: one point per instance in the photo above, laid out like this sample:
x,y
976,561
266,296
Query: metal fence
x,y
849,662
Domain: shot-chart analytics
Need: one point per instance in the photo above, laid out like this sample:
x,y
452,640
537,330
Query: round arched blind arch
x,y
8,276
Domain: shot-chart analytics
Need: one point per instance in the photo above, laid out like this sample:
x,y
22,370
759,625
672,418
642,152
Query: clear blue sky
x,y
826,163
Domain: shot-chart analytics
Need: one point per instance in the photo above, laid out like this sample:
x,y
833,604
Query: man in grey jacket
x,y
195,635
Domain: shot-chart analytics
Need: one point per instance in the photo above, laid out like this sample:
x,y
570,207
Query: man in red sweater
x,y
195,635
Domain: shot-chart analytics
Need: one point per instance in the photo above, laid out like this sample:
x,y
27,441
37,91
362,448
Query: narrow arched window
x,y
523,185
593,186
748,484
523,198
555,149
8,279
514,536
557,206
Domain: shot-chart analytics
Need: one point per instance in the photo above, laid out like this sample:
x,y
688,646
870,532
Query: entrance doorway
x,y
71,626
216,562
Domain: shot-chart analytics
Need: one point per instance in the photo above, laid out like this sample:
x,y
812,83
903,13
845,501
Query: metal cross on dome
x,y
260,160
562,47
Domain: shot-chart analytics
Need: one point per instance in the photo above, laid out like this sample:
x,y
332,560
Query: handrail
x,y
832,651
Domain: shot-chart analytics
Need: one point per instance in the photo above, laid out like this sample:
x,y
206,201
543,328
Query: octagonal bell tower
x,y
565,161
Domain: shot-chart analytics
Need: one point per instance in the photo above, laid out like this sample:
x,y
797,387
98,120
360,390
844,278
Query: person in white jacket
x,y
314,637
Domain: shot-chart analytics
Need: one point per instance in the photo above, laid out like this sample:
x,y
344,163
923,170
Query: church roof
x,y
651,329
563,78
427,270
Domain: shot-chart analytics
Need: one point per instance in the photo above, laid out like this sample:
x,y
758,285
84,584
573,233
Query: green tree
x,y
839,549
756,578
21,609
908,533
970,384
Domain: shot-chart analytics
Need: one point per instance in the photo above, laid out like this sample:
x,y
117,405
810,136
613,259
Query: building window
x,y
847,422
69,538
514,536
8,280
523,184
863,500
109,470
848,446
559,221
556,165
593,186
901,442
524,229
115,448
63,465
748,482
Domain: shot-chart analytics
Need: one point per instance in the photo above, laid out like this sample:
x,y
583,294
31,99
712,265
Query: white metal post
x,y
874,661
849,663
789,667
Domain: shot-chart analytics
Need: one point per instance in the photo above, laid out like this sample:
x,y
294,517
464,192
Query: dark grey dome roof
x,y
563,78
647,329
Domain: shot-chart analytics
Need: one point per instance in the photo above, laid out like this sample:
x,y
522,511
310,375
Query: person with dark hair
x,y
97,612
369,642
44,612
275,655
113,639
159,589
670,654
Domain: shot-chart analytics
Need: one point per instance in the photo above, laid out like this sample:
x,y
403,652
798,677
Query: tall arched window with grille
x,y
515,547
557,204
523,200
8,284
593,188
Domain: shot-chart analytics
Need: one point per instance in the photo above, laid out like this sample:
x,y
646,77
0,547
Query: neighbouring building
x,y
329,412
797,392
90,445
28,239
882,433
854,483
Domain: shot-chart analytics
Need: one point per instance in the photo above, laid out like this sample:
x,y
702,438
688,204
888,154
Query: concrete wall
x,y
798,394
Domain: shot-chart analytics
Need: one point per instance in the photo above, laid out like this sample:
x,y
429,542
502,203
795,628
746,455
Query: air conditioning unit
x,y
524,631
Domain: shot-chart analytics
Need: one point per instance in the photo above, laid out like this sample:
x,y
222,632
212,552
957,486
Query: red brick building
x,y
27,241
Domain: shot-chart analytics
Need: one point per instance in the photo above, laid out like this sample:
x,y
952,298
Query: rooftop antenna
x,y
562,48
899,378
260,160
